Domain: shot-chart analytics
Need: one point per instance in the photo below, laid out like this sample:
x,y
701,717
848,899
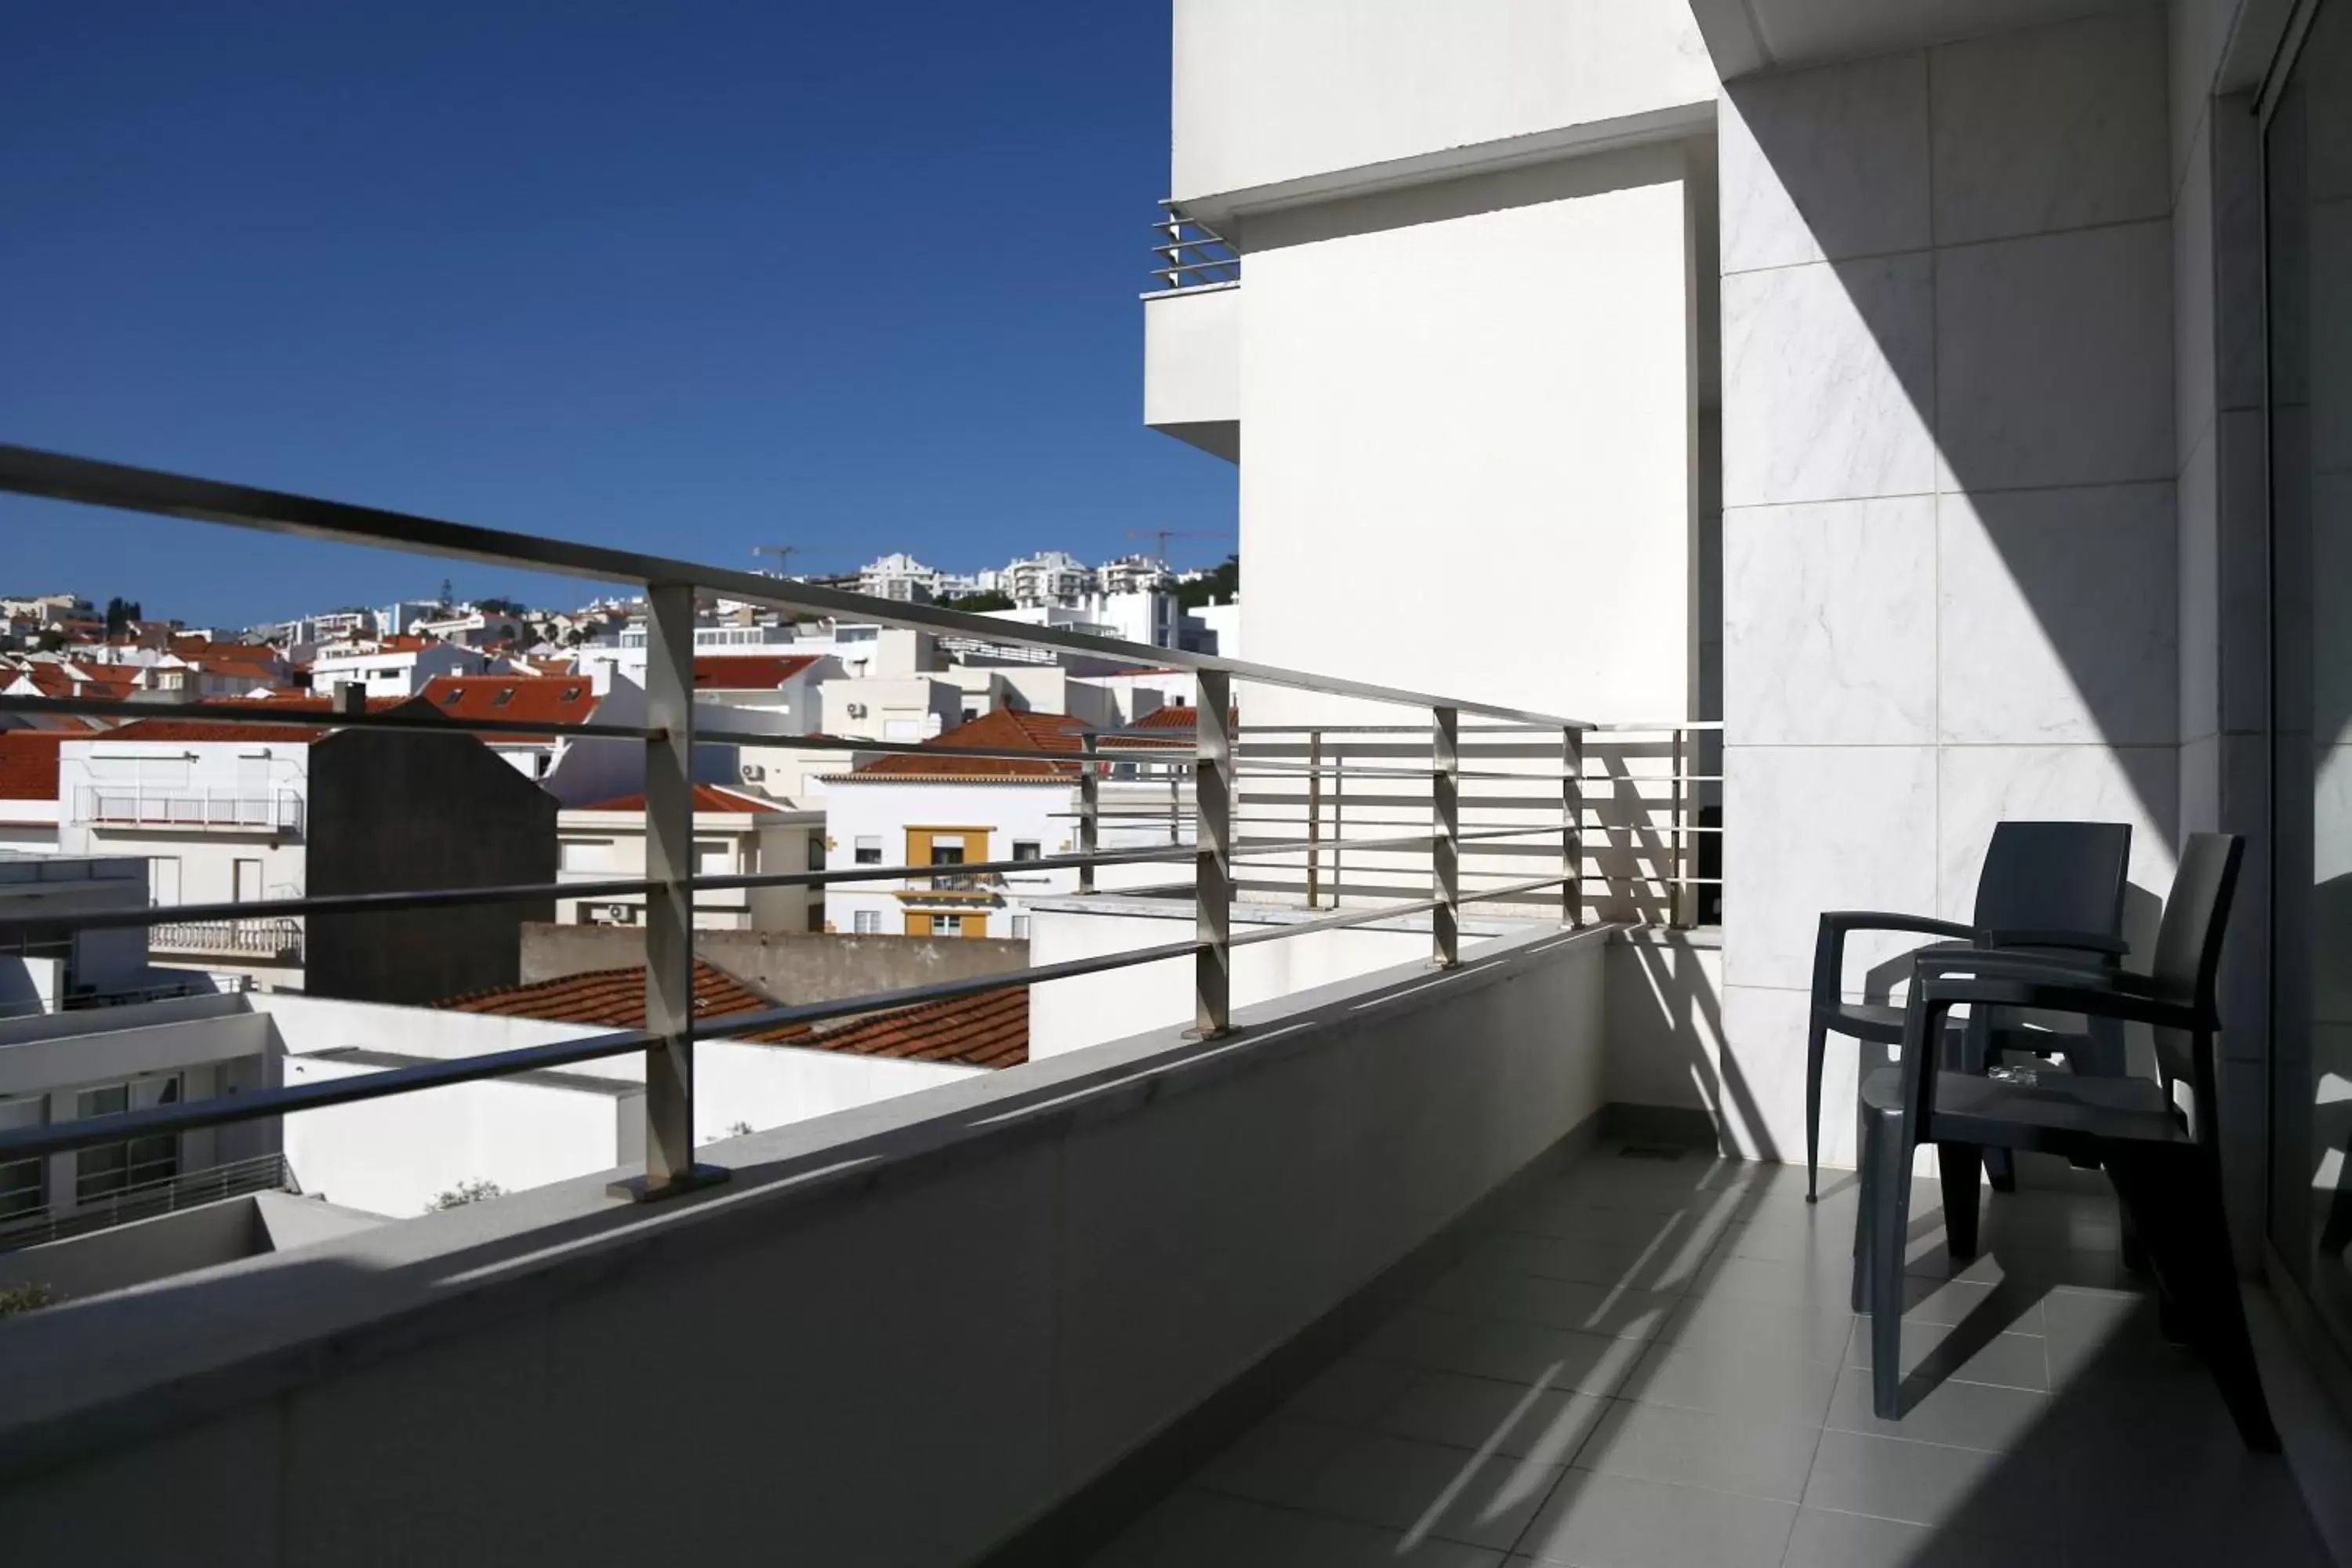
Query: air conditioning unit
x,y
620,914
857,710
752,771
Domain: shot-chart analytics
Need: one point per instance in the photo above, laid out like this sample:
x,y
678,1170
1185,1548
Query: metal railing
x,y
37,1227
277,939
211,808
1191,254
1552,769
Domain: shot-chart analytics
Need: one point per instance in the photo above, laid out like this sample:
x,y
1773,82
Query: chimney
x,y
351,697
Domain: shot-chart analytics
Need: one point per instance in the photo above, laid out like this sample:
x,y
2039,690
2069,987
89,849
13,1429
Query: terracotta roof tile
x,y
748,672
706,797
1002,728
29,763
537,699
989,1029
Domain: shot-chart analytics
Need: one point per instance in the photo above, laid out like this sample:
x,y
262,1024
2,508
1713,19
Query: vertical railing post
x,y
1571,828
1445,834
1089,808
1314,815
1677,877
1212,870
669,904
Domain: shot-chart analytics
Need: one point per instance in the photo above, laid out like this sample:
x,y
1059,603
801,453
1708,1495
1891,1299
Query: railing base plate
x,y
645,1190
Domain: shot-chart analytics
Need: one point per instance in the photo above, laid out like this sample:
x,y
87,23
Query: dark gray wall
x,y
395,811
790,966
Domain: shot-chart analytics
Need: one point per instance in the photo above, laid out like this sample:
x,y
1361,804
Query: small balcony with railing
x,y
1191,336
273,940
138,808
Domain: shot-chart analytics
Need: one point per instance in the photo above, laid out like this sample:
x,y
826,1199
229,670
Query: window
x,y
816,852
869,850
1020,927
947,925
713,857
867,923
22,1189
449,698
586,855
947,854
110,1169
1027,849
505,696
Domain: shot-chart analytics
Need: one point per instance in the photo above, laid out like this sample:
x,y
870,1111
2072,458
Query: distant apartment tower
x,y
1054,577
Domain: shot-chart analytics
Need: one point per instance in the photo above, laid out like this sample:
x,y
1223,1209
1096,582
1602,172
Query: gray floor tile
x,y
1432,1490
1805,1334
1945,1352
1734,1381
1472,1285
1351,1391
1275,1461
2013,1305
1824,1285
1524,1354
1668,1260
1318,1542
1825,1539
1478,1413
1965,1414
1701,1448
2095,1268
1192,1529
1918,1483
1590,1308
1596,1520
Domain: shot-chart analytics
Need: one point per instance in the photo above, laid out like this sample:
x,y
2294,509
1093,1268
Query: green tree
x,y
1221,585
49,641
978,602
17,1300
120,612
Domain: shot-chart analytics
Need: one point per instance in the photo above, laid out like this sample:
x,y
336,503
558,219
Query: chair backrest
x,y
2054,875
2189,952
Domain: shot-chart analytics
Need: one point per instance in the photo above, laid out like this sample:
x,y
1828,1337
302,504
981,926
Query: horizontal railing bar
x,y
1261,768
324,904
1145,854
90,483
1335,923
1512,890
1152,753
1662,728
427,718
937,991
222,1110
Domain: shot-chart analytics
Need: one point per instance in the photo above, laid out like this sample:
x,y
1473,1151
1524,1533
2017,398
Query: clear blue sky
x,y
684,276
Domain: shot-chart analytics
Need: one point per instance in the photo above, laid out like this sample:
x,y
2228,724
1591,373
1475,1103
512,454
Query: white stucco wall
x,y
206,858
1476,398
1193,356
1269,93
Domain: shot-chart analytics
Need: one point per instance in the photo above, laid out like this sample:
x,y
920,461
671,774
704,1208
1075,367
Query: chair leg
x,y
2188,1238
2001,1170
1865,1199
1816,1041
1890,1225
1962,1165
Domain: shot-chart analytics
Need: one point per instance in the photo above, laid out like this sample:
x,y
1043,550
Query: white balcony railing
x,y
278,939
244,811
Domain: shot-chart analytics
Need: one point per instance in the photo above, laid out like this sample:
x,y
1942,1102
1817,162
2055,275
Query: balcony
x,y
1191,339
215,810
277,940
1305,1257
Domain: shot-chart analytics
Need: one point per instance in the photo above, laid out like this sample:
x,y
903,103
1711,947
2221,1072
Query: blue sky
x,y
688,277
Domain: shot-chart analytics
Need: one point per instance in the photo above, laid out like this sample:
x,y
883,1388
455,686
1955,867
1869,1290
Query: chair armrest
x,y
2089,995
2065,968
2078,941
1829,942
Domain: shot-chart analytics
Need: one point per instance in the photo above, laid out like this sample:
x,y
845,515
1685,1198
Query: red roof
x,y
1175,716
1003,728
748,672
706,797
989,1029
229,729
534,698
29,763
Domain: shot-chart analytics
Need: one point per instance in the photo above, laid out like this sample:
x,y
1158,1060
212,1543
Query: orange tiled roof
x,y
1175,716
706,797
29,763
534,698
1002,728
748,672
989,1029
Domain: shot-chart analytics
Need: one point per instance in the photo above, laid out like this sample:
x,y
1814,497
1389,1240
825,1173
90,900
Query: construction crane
x,y
783,555
1163,535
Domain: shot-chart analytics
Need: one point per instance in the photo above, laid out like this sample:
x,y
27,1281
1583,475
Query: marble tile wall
x,y
1953,559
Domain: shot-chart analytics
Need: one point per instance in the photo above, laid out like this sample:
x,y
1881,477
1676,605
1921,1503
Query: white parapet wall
x,y
1006,1284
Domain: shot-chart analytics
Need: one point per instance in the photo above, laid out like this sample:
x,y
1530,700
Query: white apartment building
x,y
400,618
1052,577
1133,575
469,627
944,810
900,576
395,667
735,833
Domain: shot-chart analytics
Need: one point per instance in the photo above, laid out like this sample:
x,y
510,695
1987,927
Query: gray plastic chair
x,y
2166,1167
2045,885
